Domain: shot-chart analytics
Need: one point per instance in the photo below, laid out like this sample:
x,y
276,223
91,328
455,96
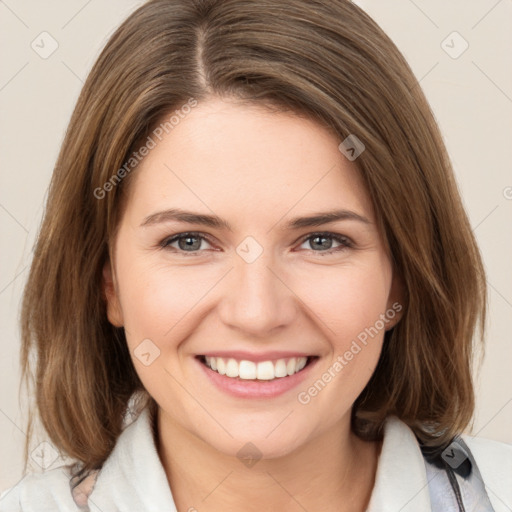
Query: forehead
x,y
229,156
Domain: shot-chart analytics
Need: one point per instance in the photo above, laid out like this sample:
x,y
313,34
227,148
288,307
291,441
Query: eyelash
x,y
346,243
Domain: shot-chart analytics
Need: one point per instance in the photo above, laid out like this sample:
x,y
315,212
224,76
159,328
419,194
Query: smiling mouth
x,y
261,371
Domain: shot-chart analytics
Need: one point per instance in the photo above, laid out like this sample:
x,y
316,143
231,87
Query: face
x,y
248,281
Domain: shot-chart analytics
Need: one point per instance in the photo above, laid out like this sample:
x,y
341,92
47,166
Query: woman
x,y
255,286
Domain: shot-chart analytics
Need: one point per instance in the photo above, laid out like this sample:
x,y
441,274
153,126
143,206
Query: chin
x,y
257,444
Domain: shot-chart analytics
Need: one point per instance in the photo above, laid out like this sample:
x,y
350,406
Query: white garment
x,y
133,478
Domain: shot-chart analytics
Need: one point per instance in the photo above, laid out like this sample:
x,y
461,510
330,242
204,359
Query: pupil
x,y
320,238
188,242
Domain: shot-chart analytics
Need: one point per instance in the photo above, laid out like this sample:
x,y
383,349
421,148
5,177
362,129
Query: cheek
x,y
350,302
158,304
156,298
347,299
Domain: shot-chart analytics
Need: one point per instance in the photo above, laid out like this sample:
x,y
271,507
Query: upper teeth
x,y
264,370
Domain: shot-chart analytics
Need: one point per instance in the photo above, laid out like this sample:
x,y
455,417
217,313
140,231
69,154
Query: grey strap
x,y
455,482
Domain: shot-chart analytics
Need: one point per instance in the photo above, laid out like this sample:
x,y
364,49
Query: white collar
x,y
133,477
401,480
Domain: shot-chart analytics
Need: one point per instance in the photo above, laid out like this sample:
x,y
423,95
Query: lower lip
x,y
244,388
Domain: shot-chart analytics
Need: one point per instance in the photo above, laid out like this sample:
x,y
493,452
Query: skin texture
x,y
257,169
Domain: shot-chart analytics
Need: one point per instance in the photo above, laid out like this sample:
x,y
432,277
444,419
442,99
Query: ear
x,y
114,313
395,304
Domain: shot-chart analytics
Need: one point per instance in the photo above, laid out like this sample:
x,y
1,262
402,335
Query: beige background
x,y
471,96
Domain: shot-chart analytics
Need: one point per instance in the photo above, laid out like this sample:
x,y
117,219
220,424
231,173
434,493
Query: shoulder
x,y
494,460
490,451
40,492
59,490
403,478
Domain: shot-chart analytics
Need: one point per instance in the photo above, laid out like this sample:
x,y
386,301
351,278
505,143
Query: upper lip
x,y
242,355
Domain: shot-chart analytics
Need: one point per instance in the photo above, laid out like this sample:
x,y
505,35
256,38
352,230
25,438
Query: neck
x,y
331,472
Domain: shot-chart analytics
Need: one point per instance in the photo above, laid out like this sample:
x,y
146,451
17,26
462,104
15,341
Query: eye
x,y
324,242
187,242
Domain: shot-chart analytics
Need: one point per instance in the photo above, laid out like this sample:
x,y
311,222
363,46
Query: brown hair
x,y
324,59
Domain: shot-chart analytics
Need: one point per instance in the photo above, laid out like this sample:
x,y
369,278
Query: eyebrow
x,y
213,221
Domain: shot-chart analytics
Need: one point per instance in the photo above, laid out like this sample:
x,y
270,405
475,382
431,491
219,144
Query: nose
x,y
257,300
